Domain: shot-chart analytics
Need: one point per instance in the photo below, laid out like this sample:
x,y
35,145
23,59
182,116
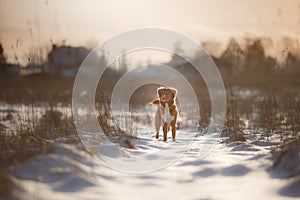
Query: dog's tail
x,y
155,102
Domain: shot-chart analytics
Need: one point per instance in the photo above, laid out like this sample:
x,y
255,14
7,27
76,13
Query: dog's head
x,y
166,94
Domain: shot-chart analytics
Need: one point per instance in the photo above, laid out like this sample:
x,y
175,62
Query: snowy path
x,y
228,172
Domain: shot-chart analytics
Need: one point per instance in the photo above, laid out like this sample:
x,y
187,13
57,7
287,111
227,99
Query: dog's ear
x,y
174,92
154,102
159,90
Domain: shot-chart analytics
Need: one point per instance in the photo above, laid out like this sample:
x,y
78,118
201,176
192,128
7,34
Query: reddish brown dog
x,y
167,113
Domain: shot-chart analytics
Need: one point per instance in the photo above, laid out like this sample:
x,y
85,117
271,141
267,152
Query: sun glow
x,y
33,23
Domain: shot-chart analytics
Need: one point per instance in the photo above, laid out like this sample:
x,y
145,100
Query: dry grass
x,y
110,126
27,140
271,112
286,159
36,89
7,185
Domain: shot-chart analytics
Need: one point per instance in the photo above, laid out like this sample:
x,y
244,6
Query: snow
x,y
230,171
239,170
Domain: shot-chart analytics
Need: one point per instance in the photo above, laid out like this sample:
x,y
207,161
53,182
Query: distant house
x,y
65,60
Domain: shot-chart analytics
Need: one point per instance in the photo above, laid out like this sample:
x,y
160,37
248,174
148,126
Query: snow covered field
x,y
238,170
233,171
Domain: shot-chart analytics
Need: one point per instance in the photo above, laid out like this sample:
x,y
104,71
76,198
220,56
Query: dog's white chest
x,y
166,115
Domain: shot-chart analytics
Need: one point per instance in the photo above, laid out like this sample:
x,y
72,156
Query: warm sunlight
x,y
150,99
33,23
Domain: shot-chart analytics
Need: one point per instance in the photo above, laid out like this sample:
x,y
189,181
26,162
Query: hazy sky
x,y
26,24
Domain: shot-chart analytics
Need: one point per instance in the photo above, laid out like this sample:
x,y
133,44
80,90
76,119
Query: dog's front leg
x,y
158,121
174,127
165,130
173,132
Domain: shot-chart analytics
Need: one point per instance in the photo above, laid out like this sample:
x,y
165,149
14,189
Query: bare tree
x,y
2,61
